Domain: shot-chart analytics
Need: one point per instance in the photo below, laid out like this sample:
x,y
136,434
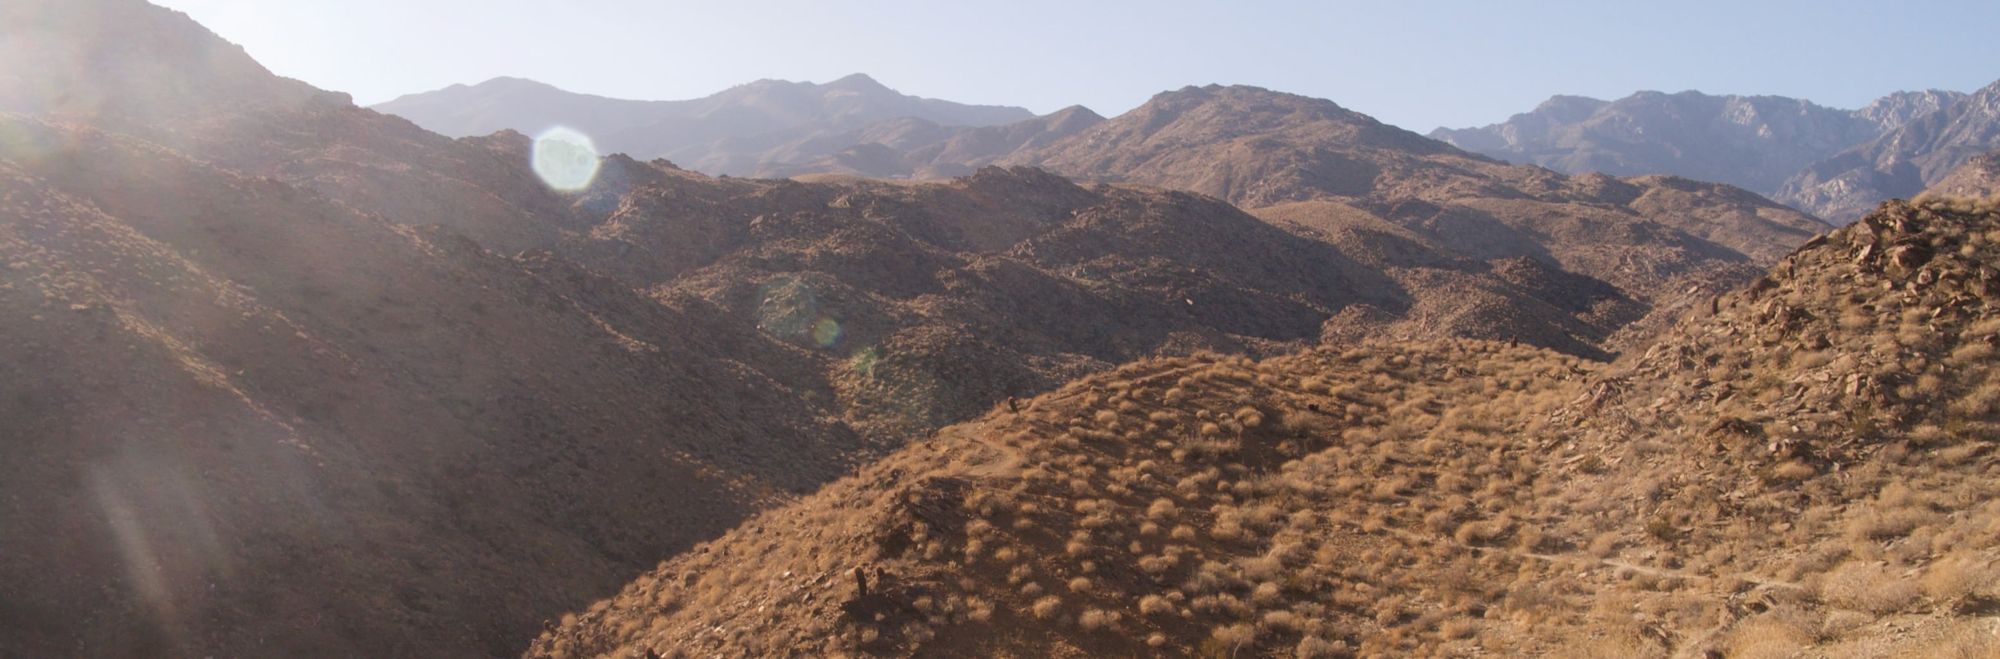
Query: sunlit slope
x,y
1805,467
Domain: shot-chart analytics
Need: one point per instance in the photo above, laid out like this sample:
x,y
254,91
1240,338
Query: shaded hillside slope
x,y
260,415
1806,469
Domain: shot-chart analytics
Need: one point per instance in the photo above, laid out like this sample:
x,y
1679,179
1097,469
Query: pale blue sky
x,y
1416,64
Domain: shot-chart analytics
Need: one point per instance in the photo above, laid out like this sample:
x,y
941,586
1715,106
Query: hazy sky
x,y
1412,63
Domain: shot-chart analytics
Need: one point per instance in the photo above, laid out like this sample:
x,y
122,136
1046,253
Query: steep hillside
x,y
1752,142
730,132
159,66
266,423
1804,469
1900,163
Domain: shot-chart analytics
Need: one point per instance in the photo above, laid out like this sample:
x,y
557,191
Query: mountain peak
x,y
1892,111
511,82
1570,108
859,82
1075,113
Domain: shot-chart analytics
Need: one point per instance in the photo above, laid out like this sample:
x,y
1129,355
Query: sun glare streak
x,y
565,159
135,548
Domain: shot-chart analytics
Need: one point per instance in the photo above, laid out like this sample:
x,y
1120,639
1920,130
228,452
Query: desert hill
x,y
1258,148
167,68
1254,148
1802,469
299,377
242,379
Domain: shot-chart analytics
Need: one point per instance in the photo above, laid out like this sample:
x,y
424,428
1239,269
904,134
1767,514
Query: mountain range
x,y
731,132
1835,164
1831,163
295,377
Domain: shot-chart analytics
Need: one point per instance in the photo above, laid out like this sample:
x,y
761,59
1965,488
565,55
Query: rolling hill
x,y
1801,469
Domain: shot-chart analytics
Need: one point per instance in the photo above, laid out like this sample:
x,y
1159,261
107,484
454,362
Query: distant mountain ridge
x,y
1753,142
1689,132
1833,163
1900,162
723,133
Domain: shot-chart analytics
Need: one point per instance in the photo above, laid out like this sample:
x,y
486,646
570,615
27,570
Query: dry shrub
x,y
1967,639
1879,524
1870,587
1231,639
1314,647
1774,635
1094,619
1958,575
1046,607
1619,644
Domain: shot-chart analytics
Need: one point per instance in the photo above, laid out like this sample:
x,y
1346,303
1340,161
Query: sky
x,y
1414,63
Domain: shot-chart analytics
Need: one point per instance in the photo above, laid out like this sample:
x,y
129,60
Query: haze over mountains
x,y
1832,163
734,132
286,376
1836,164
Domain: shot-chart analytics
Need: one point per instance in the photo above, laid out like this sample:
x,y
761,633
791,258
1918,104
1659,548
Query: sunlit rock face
x,y
565,159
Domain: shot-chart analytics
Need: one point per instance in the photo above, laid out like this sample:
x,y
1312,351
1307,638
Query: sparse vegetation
x,y
1433,510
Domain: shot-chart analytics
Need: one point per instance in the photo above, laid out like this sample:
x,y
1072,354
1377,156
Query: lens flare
x,y
826,332
565,159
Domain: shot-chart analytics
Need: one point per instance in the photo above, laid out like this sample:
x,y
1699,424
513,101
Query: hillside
x,y
1899,163
1977,178
1801,469
170,68
729,132
1752,142
1258,148
242,379
913,148
312,380
1254,148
